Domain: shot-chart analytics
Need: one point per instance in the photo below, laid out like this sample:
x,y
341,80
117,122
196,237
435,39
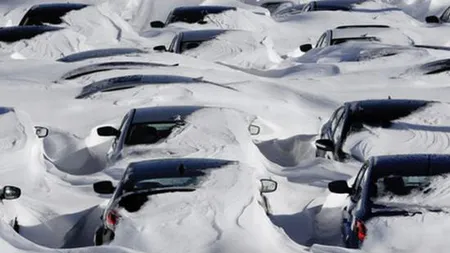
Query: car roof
x,y
197,8
58,6
98,53
358,31
16,33
171,167
410,165
370,104
163,113
333,5
202,35
4,110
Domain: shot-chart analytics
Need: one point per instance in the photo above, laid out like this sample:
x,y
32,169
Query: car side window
x,y
307,8
321,39
357,186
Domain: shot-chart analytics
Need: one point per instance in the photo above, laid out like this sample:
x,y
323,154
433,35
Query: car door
x,y
348,213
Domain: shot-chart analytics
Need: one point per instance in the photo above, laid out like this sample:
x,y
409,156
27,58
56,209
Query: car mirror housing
x,y
339,186
108,131
10,192
268,185
41,132
305,47
104,187
432,20
157,24
325,145
254,129
202,22
160,48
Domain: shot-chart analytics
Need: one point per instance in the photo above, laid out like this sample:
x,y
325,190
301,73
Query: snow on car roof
x,y
163,113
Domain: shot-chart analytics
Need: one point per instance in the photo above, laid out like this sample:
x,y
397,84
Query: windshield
x,y
342,40
409,191
149,133
156,183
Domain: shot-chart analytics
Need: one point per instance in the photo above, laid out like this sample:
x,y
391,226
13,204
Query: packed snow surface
x,y
254,74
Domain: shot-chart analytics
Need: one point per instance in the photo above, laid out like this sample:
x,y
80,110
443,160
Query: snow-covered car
x,y
187,40
144,181
431,68
370,33
311,6
50,13
145,126
273,6
191,14
354,117
390,187
443,18
16,33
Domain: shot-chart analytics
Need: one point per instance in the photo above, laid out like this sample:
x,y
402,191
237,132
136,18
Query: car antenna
x,y
181,169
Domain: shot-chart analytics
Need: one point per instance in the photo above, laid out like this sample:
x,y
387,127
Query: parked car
x,y
145,126
346,33
191,14
161,176
17,33
51,13
187,40
444,18
380,180
352,116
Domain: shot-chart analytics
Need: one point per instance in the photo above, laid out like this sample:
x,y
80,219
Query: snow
x,y
256,75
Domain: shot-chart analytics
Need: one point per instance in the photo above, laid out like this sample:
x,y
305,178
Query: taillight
x,y
112,218
360,230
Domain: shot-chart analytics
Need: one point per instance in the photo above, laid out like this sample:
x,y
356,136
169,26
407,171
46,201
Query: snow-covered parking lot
x,y
253,74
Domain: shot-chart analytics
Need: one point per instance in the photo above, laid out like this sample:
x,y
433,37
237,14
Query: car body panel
x,y
99,53
17,33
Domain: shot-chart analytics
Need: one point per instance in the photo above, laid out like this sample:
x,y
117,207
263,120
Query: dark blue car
x,y
379,181
52,13
352,116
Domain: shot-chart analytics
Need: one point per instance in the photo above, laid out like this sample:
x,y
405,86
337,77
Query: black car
x,y
42,14
352,116
191,14
379,183
17,33
159,176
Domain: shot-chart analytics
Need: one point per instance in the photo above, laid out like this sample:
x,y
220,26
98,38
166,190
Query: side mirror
x,y
108,131
104,187
254,129
325,145
268,185
202,22
157,24
41,132
432,20
305,47
160,48
10,192
339,186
